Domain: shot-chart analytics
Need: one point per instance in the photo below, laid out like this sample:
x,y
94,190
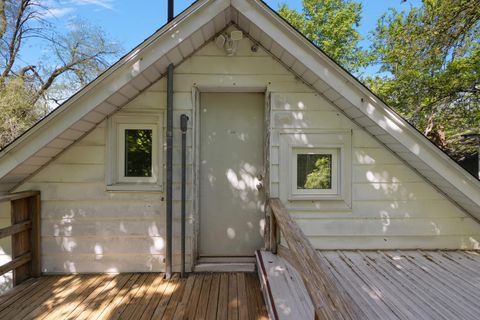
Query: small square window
x,y
134,153
315,168
315,171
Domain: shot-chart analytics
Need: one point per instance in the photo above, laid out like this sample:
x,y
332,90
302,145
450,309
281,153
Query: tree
x,y
29,90
430,63
330,24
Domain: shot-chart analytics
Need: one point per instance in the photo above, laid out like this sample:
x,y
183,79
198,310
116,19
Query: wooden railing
x,y
25,233
328,297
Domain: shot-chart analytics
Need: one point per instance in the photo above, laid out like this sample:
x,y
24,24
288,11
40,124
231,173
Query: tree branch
x,y
15,41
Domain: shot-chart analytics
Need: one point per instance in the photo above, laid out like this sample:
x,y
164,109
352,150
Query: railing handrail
x,y
329,299
15,228
18,195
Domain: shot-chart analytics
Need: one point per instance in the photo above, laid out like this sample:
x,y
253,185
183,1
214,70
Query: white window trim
x,y
315,139
115,178
336,183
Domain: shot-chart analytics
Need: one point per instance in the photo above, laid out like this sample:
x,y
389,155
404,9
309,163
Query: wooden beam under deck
x,y
136,296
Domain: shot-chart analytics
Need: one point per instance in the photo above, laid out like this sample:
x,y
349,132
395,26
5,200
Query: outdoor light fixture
x,y
229,42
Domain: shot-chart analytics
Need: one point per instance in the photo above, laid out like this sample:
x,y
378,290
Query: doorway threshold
x,y
225,267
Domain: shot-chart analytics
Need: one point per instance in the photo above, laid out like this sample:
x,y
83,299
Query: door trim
x,y
196,151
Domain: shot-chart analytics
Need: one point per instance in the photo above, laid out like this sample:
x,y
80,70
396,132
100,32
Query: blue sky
x,y
130,22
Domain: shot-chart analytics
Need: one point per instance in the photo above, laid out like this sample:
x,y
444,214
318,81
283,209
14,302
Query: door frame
x,y
196,90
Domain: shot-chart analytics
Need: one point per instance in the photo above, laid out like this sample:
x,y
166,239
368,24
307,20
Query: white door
x,y
231,169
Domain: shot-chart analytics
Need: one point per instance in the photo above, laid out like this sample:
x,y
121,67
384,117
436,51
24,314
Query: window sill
x,y
313,197
134,187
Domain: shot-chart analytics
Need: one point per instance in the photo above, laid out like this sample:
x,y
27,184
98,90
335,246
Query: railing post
x,y
273,233
35,245
21,240
25,235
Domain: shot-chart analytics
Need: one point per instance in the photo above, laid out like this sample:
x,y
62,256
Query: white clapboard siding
x,y
287,82
158,100
108,210
392,205
372,156
244,50
108,245
93,191
407,209
75,155
133,262
300,102
384,173
92,210
95,138
71,173
231,65
388,227
384,210
109,228
361,139
395,191
309,119
87,229
6,280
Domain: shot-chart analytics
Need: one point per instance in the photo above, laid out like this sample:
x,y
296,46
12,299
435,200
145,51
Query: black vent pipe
x,y
170,10
168,248
183,128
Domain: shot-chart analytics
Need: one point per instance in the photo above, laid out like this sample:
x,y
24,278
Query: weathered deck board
x,y
285,292
410,284
136,296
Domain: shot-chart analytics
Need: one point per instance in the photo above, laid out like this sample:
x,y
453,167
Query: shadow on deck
x,y
136,296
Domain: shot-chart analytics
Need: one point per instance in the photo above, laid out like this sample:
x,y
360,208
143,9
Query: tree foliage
x,y
331,25
28,90
16,112
430,59
319,175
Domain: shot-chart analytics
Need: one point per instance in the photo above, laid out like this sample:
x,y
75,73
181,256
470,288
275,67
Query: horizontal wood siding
x,y
87,229
393,207
6,280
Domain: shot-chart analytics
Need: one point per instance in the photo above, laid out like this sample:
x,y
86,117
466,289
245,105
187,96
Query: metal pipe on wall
x,y
183,128
170,10
168,248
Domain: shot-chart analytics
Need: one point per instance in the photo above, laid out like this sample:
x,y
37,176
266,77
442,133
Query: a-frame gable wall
x,y
177,40
88,229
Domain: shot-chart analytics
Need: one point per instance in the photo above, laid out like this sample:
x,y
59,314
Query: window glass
x,y
138,153
314,171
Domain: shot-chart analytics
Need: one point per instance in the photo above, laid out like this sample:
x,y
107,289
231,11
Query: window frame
x,y
335,178
117,125
288,141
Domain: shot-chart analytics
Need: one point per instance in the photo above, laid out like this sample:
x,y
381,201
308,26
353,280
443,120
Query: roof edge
x,y
124,60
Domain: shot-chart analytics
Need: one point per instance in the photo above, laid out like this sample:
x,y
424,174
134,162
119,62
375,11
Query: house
x,y
269,116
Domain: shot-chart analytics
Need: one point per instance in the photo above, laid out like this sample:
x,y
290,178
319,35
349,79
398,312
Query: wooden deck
x,y
383,285
410,284
136,296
